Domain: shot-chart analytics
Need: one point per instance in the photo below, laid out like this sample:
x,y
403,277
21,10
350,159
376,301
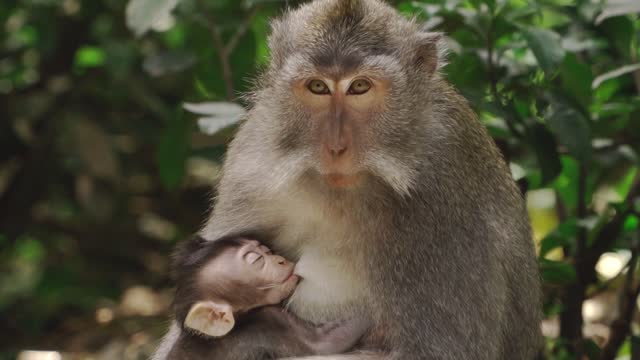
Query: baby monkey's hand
x,y
337,337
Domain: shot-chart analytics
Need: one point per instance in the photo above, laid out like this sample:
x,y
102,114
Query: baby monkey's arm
x,y
304,338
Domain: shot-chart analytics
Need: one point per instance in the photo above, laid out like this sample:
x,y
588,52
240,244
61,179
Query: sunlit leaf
x,y
142,15
614,74
221,108
218,115
29,249
566,183
89,56
617,8
631,223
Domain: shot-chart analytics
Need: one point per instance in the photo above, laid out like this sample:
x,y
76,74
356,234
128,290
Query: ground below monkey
x,y
226,295
358,161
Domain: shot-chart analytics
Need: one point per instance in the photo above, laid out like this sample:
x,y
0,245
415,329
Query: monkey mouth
x,y
292,277
340,180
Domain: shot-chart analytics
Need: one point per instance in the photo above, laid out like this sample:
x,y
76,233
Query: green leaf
x,y
173,150
29,249
557,272
545,147
559,237
620,32
466,71
89,56
576,79
631,223
546,46
627,181
607,89
592,349
566,183
571,129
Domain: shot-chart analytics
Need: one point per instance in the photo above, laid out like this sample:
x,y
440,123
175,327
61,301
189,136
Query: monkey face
x,y
351,94
340,110
252,269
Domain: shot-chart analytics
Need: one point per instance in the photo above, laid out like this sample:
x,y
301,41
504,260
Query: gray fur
x,y
436,245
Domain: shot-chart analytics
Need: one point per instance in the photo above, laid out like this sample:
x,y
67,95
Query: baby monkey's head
x,y
216,280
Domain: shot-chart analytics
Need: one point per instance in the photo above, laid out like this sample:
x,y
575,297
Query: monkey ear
x,y
210,318
427,51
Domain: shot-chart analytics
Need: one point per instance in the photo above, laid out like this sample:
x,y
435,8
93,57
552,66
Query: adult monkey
x,y
358,161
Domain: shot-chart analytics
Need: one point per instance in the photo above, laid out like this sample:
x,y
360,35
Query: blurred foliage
x,y
102,170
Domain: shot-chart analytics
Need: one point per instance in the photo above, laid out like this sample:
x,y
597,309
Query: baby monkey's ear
x,y
210,318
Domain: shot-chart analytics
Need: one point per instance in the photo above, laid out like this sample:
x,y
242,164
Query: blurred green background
x,y
115,114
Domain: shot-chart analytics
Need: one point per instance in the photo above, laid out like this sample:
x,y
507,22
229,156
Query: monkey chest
x,y
332,284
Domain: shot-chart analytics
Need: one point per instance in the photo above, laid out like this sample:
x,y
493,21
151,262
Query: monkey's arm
x,y
267,332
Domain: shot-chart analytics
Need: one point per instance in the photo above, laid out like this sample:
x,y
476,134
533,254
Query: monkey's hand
x,y
339,336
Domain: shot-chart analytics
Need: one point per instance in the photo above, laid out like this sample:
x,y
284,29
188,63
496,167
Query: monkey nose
x,y
337,150
280,260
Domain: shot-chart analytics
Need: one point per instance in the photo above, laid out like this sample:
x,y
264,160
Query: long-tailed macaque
x,y
361,163
225,298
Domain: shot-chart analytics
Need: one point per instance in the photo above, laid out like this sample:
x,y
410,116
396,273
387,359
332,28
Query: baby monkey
x,y
236,284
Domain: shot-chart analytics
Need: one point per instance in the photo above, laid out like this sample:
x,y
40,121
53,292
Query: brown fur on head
x,y
189,258
343,138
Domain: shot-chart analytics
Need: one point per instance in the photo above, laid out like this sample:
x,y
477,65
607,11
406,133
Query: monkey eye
x,y
318,87
252,257
359,86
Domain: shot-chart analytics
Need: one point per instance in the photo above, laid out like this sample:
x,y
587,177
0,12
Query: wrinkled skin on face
x,y
254,269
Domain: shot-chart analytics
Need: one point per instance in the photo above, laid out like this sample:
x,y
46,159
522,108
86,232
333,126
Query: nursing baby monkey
x,y
229,290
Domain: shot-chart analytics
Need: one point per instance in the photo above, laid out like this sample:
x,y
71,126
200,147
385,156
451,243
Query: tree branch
x,y
574,295
224,50
586,259
233,42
